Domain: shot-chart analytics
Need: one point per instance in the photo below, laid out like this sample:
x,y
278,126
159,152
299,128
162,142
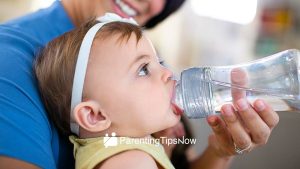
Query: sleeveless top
x,y
89,152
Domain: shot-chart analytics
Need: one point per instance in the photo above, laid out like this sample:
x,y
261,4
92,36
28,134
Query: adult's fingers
x,y
239,80
219,128
238,133
259,130
269,116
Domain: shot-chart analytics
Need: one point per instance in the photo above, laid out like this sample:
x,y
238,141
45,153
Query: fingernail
x,y
227,111
242,104
260,106
212,121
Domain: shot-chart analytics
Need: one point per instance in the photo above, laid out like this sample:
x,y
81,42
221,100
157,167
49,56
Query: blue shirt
x,y
25,130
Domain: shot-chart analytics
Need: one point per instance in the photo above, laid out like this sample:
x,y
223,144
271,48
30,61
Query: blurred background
x,y
214,33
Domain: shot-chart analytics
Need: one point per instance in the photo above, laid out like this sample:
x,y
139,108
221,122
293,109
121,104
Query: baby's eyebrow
x,y
160,59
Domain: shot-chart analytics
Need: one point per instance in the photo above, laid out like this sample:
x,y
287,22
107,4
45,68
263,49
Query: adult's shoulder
x,y
44,24
18,51
14,39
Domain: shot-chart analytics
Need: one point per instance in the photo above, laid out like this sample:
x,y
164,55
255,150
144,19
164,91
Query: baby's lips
x,y
178,111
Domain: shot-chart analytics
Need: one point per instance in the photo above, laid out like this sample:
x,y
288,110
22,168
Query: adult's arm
x,y
11,163
210,160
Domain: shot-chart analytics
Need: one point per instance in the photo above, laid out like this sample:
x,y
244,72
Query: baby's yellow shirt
x,y
91,151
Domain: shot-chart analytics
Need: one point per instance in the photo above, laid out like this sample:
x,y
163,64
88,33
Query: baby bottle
x,y
201,91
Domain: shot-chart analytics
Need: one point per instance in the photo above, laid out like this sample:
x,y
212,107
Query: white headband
x,y
82,62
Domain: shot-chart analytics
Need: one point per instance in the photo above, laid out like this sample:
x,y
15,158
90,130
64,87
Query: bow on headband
x,y
82,62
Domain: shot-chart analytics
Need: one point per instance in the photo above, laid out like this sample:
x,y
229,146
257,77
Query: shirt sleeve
x,y
26,133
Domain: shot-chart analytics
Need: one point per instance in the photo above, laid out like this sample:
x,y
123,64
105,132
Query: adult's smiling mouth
x,y
124,9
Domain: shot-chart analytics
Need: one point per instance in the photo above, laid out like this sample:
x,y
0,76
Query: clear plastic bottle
x,y
201,91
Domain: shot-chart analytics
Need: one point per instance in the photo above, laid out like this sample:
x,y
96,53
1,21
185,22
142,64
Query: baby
x,y
105,77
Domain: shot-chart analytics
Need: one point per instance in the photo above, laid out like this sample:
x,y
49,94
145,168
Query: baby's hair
x,y
55,67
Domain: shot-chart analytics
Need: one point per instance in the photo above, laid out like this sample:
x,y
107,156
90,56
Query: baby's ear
x,y
88,115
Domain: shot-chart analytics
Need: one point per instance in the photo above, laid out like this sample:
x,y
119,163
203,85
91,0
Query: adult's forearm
x,y
210,160
11,163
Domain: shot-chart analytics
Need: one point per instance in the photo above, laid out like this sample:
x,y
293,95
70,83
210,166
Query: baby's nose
x,y
167,75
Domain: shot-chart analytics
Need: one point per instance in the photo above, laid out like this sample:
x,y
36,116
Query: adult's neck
x,y
80,11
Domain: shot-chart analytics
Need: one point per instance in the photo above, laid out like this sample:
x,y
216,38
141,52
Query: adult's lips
x,y
124,8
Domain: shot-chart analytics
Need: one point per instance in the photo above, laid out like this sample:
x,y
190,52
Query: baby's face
x,y
131,86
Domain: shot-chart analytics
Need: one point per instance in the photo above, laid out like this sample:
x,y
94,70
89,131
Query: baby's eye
x,y
162,62
144,71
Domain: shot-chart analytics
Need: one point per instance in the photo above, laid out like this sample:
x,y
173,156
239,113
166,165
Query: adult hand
x,y
241,126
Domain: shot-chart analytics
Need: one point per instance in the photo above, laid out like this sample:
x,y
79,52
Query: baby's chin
x,y
174,121
168,124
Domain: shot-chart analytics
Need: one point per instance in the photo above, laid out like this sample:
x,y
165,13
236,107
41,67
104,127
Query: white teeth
x,y
125,8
